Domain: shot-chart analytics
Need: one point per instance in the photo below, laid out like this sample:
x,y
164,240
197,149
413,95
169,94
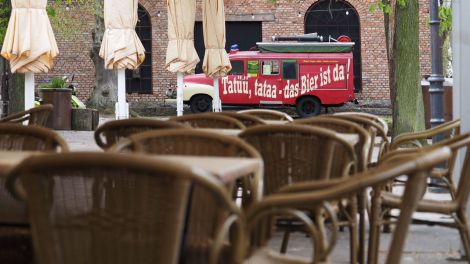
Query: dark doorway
x,y
336,18
243,33
140,80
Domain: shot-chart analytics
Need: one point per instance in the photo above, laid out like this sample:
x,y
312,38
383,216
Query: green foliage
x,y
5,11
56,82
445,14
65,21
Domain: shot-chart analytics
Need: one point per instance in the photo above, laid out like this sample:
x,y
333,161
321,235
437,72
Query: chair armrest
x,y
310,185
414,137
16,118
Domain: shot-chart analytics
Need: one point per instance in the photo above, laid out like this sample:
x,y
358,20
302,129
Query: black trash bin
x,y
60,98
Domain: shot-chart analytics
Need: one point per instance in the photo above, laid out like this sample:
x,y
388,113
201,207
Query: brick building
x,y
248,21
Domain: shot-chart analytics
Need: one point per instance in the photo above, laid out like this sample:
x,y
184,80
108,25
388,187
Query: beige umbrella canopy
x,y
181,56
216,61
121,47
29,42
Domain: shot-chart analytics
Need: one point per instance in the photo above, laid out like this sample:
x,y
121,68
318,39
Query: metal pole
x,y
436,80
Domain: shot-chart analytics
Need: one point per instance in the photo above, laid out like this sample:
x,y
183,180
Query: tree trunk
x,y
405,79
104,95
15,92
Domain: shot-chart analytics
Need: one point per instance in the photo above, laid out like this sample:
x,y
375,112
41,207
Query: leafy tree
x,y
401,21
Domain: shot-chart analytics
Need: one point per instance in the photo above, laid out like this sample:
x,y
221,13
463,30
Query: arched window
x,y
140,80
335,18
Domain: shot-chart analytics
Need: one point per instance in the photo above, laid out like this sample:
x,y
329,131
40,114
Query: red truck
x,y
305,75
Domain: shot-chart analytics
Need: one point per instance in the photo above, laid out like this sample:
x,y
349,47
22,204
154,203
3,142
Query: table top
x,y
223,131
227,169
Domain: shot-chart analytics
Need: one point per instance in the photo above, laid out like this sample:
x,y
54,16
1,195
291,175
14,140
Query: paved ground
x,y
425,244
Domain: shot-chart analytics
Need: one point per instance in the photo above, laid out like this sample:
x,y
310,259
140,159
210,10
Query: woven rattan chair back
x,y
377,119
362,147
267,114
109,208
247,120
375,130
35,116
111,132
209,120
203,224
16,137
300,153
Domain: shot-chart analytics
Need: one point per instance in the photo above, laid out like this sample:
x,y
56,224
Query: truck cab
x,y
305,75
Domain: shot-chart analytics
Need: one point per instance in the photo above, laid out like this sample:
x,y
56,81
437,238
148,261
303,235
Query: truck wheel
x,y
308,106
201,103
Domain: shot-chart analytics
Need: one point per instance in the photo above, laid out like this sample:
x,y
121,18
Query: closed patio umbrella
x,y
29,42
181,57
216,62
121,48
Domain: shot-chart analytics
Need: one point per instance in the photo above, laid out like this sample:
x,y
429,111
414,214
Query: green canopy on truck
x,y
317,47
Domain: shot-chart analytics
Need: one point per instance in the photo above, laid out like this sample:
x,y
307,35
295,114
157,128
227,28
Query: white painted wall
x,y
461,61
461,67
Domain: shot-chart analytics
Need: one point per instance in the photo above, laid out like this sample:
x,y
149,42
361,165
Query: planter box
x,y
85,119
60,99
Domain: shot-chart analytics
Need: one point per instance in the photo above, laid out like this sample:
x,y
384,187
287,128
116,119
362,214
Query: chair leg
x,y
374,232
353,236
319,220
464,231
285,241
362,226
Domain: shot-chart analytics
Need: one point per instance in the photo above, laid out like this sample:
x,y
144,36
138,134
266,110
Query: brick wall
x,y
74,57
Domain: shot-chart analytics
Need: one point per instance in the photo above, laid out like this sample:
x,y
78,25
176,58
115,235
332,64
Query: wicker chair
x,y
15,235
267,114
247,120
110,208
209,120
455,208
375,130
16,137
362,149
202,227
304,154
35,116
343,126
414,139
111,132
419,139
416,167
376,119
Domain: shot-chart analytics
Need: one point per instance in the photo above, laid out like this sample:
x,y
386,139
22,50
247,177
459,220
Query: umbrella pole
x,y
217,104
122,107
179,93
29,91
